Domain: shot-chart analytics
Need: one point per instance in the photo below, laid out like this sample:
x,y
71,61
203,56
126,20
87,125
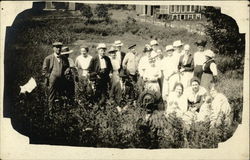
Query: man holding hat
x,y
100,68
199,58
53,70
209,70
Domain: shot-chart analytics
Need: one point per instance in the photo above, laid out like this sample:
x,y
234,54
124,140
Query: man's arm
x,y
125,61
45,67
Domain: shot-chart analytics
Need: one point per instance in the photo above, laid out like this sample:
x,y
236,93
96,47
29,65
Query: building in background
x,y
173,12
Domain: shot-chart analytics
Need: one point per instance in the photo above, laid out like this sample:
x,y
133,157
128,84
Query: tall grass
x,y
85,123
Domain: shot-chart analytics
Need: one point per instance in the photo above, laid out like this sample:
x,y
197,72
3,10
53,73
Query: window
x,y
177,8
182,8
188,8
172,8
192,8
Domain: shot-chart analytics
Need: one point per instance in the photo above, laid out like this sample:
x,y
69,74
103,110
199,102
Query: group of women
x,y
186,81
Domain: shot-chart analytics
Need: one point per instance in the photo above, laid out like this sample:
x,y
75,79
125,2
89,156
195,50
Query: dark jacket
x,y
95,68
189,66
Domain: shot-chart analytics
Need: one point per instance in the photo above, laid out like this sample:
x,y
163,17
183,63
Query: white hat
x,y
169,47
177,43
153,42
209,53
101,45
65,50
118,43
186,47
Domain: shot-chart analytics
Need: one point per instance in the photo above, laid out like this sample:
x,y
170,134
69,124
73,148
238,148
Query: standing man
x,y
130,65
100,68
199,58
119,53
71,75
53,70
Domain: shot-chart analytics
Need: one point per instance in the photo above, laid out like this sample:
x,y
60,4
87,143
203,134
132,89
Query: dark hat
x,y
112,50
57,44
195,79
132,46
201,43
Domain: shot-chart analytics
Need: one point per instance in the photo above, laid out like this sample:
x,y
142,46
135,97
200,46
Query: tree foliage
x,y
101,11
224,32
85,10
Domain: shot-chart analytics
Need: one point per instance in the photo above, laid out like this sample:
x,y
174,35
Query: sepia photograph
x,y
133,75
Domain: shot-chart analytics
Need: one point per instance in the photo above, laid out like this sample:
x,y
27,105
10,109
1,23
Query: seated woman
x,y
177,102
195,95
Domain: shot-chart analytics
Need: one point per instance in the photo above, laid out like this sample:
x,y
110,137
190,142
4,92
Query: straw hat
x,y
118,43
101,46
177,43
169,48
65,50
57,44
153,42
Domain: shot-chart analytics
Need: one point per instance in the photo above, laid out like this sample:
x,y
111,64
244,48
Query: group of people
x,y
186,81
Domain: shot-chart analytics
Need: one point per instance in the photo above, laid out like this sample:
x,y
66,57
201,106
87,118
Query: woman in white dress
x,y
169,69
177,102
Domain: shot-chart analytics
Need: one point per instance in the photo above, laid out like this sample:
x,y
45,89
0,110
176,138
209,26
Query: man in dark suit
x,y
100,68
53,70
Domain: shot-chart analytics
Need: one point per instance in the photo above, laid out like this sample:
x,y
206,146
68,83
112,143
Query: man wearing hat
x,y
70,74
209,70
119,53
199,58
195,94
115,61
130,65
53,70
100,68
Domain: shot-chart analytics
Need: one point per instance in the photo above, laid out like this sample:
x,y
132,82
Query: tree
x,y
86,11
224,32
101,11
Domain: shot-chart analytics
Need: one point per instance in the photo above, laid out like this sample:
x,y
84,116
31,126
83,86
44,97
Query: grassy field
x,y
29,42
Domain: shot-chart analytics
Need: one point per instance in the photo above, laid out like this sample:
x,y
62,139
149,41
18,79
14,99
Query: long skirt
x,y
185,78
206,80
